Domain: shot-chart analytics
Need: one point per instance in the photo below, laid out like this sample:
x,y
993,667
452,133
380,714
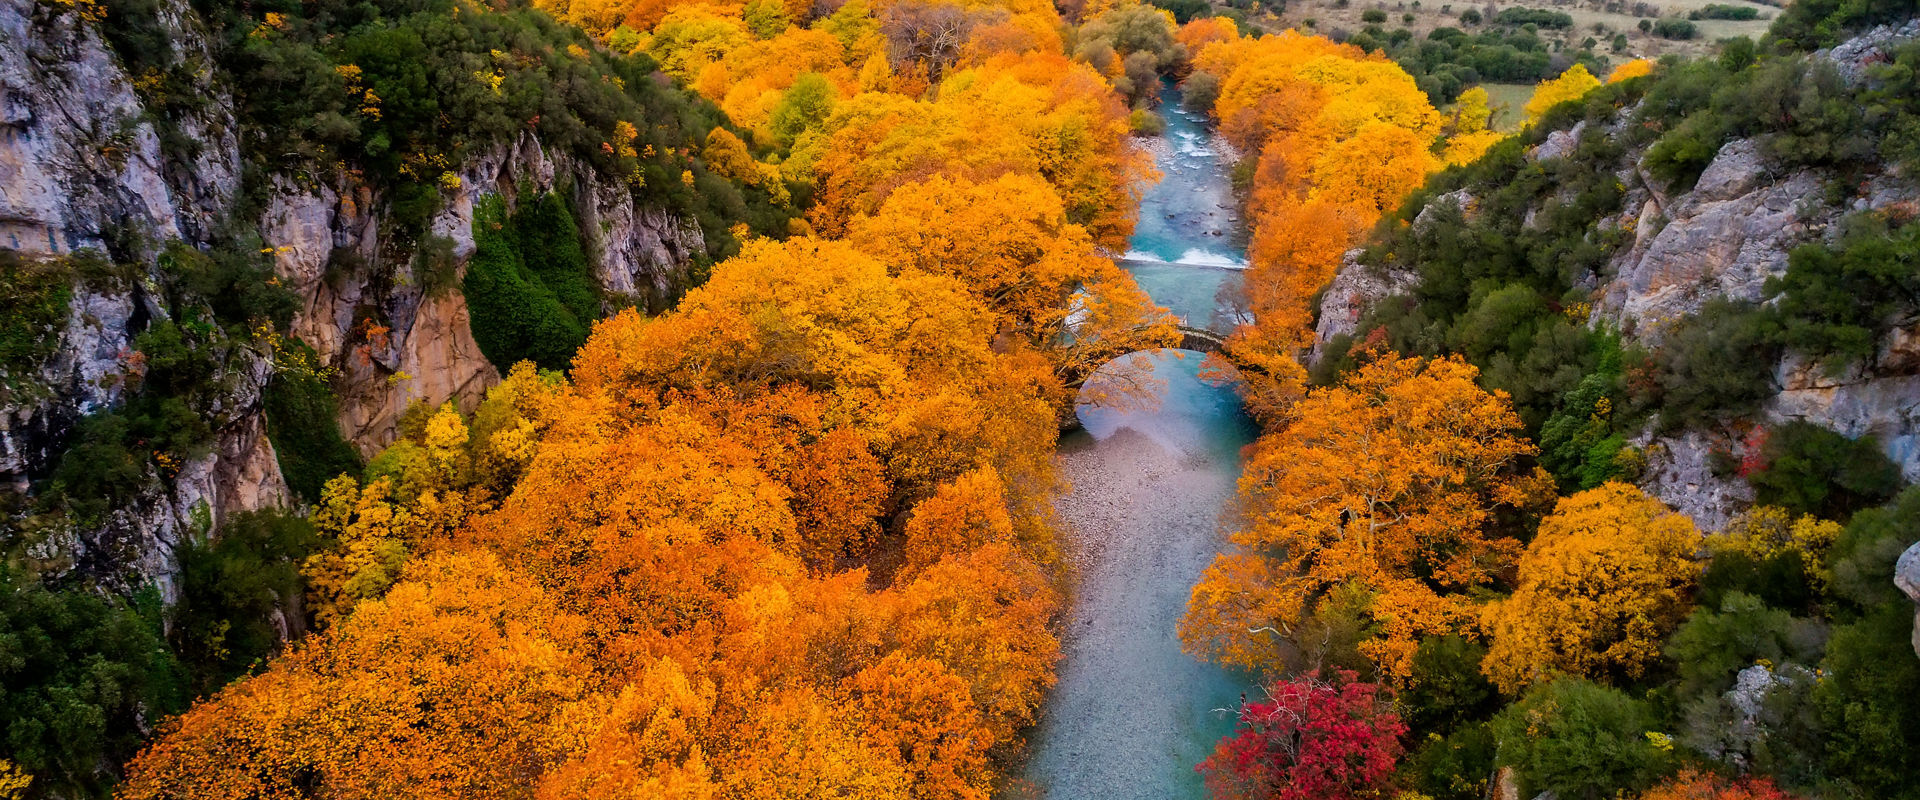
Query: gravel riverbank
x,y
1132,714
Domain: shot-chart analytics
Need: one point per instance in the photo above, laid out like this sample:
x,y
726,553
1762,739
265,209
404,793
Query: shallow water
x,y
1189,247
1132,714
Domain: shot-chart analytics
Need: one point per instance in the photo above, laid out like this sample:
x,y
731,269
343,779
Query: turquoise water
x,y
1189,247
1132,714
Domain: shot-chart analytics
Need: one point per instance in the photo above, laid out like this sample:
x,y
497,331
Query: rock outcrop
x,y
1906,575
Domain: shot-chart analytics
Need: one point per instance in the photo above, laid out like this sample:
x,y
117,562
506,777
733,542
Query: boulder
x,y
1906,575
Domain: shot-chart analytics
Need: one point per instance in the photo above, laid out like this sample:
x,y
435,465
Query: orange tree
x,y
1385,487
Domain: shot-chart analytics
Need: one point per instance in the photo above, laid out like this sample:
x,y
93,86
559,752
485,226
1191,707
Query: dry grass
x,y
1591,20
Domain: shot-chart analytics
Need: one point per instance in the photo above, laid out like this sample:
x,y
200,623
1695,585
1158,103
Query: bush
x,y
302,421
231,585
1675,28
536,309
1145,123
79,676
1199,91
33,311
1681,155
1842,301
1716,364
1717,642
1579,740
1737,54
1779,580
1447,690
1516,16
1720,11
1580,443
1808,469
236,281
157,428
1812,24
1185,11
1867,701
1373,16
1862,558
1455,766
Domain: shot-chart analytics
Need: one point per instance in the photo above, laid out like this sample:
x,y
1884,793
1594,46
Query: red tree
x,y
1312,740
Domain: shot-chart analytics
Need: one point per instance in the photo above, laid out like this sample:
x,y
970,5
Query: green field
x,y
1513,96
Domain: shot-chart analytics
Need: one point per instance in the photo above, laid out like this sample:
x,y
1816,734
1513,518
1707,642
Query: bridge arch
x,y
1201,340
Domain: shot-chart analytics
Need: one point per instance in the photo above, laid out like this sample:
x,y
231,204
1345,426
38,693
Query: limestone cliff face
x,y
82,167
1723,238
396,342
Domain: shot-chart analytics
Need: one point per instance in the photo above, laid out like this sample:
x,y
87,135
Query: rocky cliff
x,y
86,167
1723,237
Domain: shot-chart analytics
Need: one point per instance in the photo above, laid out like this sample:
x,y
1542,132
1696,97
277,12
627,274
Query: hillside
x,y
1640,233
1702,283
170,163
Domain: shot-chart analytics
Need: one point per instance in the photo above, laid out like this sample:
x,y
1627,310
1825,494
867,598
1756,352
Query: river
x,y
1132,714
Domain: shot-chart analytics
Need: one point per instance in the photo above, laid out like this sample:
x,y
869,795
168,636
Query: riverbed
x,y
1132,714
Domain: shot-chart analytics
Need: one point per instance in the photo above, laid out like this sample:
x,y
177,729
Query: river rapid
x,y
1132,714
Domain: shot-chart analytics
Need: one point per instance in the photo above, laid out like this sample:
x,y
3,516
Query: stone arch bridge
x,y
1201,340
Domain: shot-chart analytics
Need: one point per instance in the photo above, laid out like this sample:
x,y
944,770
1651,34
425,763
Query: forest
x,y
790,530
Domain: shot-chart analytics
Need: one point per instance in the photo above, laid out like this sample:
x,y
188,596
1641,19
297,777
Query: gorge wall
x,y
86,175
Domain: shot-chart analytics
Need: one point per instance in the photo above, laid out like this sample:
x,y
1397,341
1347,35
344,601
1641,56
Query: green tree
x,y
77,674
1808,469
805,106
1579,740
232,586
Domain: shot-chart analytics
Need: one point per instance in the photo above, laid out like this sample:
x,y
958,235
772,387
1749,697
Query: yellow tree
x,y
1008,240
965,513
1571,85
1632,69
1767,532
916,709
798,743
369,538
1468,137
985,615
642,743
1600,586
1385,486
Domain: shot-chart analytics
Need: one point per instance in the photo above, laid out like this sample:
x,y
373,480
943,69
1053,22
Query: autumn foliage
x,y
792,539
1386,486
690,590
1311,739
1601,585
1696,785
1338,137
